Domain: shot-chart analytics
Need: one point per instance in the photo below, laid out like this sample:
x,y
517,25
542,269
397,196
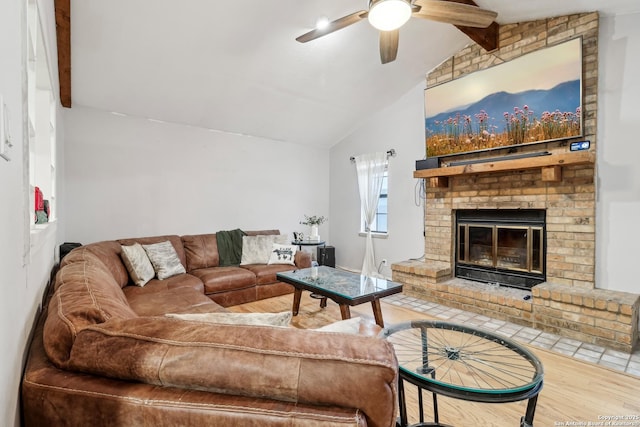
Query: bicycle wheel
x,y
465,362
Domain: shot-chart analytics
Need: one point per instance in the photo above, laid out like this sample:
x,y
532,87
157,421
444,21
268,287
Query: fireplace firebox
x,y
504,246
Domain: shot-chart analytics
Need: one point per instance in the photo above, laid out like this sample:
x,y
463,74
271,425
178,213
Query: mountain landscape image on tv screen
x,y
533,98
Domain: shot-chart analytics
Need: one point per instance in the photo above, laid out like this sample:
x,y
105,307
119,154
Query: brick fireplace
x,y
556,286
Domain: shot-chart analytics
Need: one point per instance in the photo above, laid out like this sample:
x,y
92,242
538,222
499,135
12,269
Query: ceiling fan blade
x,y
336,25
389,45
455,13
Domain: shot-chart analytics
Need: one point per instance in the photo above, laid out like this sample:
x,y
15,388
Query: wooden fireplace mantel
x,y
551,167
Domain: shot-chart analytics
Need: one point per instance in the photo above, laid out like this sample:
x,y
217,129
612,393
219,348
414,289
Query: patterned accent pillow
x,y
138,265
282,254
257,249
165,259
265,319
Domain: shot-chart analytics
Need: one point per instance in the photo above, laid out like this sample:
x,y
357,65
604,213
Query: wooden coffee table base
x,y
345,311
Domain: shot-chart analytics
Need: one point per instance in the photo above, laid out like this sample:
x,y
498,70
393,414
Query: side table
x,y
465,363
301,243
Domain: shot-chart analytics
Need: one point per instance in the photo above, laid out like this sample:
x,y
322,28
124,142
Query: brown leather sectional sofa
x,y
104,353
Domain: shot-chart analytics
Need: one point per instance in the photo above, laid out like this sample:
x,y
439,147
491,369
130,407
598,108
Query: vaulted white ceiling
x,y
235,66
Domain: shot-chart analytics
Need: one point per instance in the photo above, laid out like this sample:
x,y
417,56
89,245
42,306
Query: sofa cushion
x,y
180,281
164,259
138,265
257,249
222,279
86,294
201,251
266,273
175,300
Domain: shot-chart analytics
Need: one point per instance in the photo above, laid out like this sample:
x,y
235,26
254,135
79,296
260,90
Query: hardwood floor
x,y
574,392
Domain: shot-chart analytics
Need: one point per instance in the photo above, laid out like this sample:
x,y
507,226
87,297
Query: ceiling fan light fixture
x,y
322,23
388,15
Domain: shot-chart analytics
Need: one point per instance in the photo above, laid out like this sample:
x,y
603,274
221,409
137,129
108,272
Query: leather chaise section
x,y
63,398
275,363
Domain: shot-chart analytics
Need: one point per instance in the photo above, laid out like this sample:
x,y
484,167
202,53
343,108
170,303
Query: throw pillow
x,y
347,326
164,258
138,265
264,319
282,254
257,249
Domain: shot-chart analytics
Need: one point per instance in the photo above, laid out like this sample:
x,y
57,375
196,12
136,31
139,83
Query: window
x,y
41,114
380,222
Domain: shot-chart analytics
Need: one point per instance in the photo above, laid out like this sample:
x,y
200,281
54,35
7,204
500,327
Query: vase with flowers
x,y
313,222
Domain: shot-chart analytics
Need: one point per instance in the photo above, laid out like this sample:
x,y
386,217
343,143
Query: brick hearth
x,y
569,303
598,316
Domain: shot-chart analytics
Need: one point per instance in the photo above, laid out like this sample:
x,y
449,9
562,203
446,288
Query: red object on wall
x,y
39,198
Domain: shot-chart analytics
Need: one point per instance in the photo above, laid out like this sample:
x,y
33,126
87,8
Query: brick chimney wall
x,y
568,303
570,203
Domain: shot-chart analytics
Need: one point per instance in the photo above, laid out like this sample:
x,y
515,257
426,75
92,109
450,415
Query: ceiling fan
x,y
389,15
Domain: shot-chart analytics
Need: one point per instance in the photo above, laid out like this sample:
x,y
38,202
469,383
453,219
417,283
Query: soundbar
x,y
428,163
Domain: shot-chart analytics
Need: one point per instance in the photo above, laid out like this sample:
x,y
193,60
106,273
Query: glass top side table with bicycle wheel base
x,y
464,363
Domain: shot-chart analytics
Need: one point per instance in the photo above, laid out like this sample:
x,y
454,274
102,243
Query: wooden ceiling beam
x,y
63,34
487,38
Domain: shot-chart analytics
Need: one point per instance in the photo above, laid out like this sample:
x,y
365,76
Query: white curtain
x,y
370,168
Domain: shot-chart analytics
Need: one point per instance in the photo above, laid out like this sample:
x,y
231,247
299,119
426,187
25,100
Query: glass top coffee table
x,y
345,288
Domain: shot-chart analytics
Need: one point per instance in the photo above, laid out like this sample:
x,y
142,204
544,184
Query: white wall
x,y
129,176
25,263
618,164
401,127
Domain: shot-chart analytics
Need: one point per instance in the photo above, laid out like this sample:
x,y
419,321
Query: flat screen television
x,y
531,99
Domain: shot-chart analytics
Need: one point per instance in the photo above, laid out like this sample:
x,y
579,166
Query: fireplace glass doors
x,y
502,246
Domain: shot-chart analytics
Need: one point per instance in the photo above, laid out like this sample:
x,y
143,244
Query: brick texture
x,y
569,303
597,316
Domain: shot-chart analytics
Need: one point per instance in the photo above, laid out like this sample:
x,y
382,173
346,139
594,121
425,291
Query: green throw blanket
x,y
230,247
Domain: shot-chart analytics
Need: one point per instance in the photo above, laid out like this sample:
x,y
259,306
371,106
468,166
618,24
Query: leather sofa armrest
x,y
278,363
302,259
